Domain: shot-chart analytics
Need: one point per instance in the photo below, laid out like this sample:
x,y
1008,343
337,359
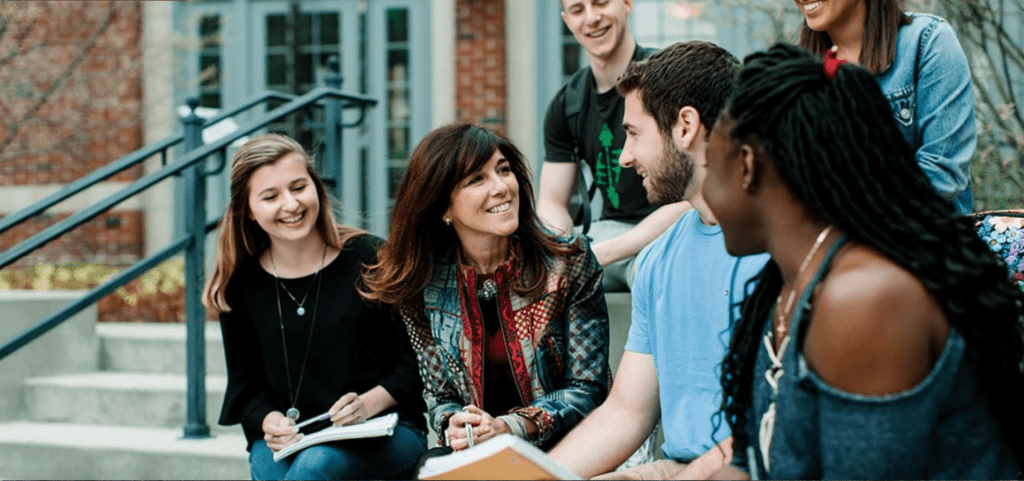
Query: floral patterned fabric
x,y
1003,231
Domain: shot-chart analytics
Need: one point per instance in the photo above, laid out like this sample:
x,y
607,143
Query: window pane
x,y
275,30
398,25
275,70
209,70
211,100
305,32
209,31
329,29
304,69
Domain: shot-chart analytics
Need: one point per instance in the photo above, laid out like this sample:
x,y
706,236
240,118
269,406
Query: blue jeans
x,y
387,457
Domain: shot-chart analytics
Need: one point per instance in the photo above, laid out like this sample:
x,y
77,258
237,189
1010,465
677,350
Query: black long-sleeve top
x,y
355,345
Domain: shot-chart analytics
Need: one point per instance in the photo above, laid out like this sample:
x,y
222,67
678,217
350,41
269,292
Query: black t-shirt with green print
x,y
621,188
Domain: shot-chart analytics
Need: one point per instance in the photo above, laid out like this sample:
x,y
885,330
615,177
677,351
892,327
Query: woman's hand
x,y
350,409
484,427
279,431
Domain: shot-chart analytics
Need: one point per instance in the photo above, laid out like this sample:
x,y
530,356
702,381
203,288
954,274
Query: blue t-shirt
x,y
684,286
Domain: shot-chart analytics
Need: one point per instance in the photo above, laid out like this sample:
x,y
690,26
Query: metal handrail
x,y
58,229
191,169
125,162
97,293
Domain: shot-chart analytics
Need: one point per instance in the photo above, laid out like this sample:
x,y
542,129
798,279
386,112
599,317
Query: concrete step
x,y
117,398
154,347
75,451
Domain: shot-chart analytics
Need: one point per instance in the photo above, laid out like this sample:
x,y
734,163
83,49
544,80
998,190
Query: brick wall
x,y
70,102
480,62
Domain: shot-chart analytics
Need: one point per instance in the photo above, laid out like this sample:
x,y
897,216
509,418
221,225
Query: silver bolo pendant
x,y
293,413
301,311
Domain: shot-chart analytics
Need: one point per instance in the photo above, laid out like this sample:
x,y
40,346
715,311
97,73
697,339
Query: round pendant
x,y
301,311
293,414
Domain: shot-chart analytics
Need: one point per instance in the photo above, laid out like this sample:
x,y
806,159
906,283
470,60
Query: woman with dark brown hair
x,y
923,72
299,341
509,322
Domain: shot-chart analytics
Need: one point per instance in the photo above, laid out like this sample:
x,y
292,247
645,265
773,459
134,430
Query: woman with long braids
x,y
923,72
509,322
883,339
299,341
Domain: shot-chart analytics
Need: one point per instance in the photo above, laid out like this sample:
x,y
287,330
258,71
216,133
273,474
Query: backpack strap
x,y
577,90
575,93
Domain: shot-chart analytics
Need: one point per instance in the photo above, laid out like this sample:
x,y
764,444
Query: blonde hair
x,y
240,236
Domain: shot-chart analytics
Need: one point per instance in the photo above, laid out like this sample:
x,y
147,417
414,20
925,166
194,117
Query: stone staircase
x,y
107,401
123,419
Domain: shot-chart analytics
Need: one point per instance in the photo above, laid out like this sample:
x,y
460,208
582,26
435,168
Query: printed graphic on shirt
x,y
608,168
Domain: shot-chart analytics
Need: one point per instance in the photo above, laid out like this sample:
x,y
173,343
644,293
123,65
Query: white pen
x,y
326,415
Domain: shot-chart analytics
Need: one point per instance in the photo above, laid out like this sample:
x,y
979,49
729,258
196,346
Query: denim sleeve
x,y
945,120
586,372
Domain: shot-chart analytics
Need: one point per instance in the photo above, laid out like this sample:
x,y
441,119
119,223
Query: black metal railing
x,y
192,170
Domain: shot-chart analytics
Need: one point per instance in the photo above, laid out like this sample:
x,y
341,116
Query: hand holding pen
x,y
347,410
472,426
350,409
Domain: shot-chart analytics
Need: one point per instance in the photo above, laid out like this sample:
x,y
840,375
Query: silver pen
x,y
326,415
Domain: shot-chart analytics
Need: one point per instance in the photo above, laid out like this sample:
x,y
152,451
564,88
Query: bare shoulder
x,y
875,328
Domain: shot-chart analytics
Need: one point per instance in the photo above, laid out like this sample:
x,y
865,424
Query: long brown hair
x,y
418,234
884,19
241,236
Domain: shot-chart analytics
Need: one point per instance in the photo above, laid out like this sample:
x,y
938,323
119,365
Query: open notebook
x,y
382,426
504,457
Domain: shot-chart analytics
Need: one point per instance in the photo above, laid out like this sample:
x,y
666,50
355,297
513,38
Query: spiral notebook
x,y
382,426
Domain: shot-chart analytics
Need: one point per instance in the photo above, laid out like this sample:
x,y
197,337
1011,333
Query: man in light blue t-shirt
x,y
687,287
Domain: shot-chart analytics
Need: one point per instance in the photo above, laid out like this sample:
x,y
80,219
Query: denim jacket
x,y
558,343
929,87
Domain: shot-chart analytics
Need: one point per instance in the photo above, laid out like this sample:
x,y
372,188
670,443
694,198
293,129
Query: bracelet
x,y
515,424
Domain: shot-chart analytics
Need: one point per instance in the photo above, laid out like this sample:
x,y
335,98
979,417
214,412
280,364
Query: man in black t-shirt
x,y
627,221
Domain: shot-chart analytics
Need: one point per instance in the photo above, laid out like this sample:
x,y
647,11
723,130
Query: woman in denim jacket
x,y
923,72
883,340
509,323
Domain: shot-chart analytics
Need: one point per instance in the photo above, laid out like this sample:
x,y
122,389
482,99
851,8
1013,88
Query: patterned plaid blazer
x,y
558,342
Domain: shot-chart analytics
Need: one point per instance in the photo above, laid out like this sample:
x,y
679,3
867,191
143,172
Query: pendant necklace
x,y
301,310
775,371
293,412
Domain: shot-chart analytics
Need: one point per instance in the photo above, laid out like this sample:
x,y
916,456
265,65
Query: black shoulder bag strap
x,y
575,93
575,96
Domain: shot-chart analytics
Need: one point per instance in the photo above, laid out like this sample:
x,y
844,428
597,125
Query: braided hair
x,y
836,145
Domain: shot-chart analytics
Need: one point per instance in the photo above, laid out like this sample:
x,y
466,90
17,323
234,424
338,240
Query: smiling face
x,y
485,204
667,170
830,15
598,25
283,199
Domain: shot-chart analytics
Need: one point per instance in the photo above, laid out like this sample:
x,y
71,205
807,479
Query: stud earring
x,y
447,221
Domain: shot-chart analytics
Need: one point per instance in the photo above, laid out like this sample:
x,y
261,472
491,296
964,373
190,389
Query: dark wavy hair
x,y
695,73
881,28
837,146
418,235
